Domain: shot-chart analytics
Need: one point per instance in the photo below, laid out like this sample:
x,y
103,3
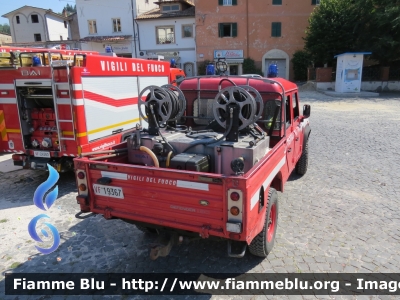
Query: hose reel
x,y
159,105
235,95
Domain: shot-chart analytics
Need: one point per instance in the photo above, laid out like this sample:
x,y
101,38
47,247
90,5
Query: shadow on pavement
x,y
18,187
96,245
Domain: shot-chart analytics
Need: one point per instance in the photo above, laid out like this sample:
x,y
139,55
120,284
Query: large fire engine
x,y
56,104
214,153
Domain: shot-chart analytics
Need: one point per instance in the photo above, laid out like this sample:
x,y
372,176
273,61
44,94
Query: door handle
x,y
297,139
289,150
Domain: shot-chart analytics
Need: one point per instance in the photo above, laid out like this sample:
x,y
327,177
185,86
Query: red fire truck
x,y
56,104
214,153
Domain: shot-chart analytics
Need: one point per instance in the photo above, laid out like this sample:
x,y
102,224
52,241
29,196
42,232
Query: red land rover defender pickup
x,y
207,160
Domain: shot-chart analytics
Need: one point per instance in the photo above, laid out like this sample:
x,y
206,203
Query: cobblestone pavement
x,y
342,216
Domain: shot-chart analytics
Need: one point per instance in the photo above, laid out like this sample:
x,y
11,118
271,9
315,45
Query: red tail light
x,y
235,196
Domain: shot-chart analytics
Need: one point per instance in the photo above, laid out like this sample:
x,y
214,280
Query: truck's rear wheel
x,y
302,164
263,243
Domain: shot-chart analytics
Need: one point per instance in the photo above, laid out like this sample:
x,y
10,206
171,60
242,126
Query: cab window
x,y
295,107
287,111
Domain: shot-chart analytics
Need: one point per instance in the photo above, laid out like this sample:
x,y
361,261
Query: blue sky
x,y
10,5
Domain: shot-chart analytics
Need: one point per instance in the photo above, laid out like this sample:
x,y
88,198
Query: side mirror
x,y
306,111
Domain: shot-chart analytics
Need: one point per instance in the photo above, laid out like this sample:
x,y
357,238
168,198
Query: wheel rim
x,y
271,223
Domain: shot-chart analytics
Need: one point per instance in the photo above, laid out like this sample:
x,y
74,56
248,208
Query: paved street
x,y
342,216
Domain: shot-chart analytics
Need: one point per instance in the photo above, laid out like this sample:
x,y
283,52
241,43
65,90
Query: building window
x,y
65,24
165,35
17,18
227,2
276,2
37,37
187,31
92,26
315,2
61,38
35,18
227,29
168,8
116,25
276,29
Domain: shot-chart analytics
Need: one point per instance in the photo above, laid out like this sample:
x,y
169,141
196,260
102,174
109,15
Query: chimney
x,y
64,13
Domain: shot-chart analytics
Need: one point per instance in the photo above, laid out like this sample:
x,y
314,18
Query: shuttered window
x,y
227,2
276,29
227,29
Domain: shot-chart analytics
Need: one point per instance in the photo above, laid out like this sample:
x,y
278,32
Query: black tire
x,y
302,164
146,230
263,243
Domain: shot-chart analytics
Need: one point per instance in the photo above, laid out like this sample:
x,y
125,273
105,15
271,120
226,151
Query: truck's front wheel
x,y
263,243
302,164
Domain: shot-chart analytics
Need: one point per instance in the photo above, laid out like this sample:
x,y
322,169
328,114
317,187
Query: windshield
x,y
14,59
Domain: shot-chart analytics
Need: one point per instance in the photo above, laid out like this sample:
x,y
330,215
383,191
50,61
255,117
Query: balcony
x,y
168,40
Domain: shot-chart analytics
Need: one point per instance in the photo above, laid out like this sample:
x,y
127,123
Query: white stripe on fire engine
x,y
267,182
6,86
77,87
89,104
8,101
67,101
192,185
63,86
122,176
68,155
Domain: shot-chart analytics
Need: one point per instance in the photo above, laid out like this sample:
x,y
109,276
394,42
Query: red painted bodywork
x,y
93,65
154,195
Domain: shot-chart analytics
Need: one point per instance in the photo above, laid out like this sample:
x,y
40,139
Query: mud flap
x,y
163,245
242,249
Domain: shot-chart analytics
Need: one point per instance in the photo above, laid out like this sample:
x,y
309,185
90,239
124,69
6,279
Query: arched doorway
x,y
281,58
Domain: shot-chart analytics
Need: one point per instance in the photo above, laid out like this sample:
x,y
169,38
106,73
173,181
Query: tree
x,y
332,30
384,31
70,9
339,26
5,28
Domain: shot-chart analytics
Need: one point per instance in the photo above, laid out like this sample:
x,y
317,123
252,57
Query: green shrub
x,y
201,67
249,67
301,61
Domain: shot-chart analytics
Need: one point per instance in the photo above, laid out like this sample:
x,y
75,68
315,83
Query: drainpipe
x,y
134,29
247,18
138,34
195,48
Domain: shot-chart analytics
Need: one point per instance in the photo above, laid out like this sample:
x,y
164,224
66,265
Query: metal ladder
x,y
57,65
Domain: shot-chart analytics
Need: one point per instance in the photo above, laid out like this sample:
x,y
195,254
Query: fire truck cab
x,y
56,104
